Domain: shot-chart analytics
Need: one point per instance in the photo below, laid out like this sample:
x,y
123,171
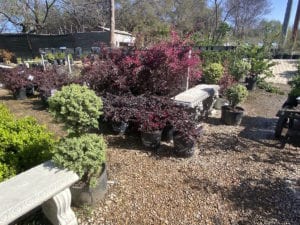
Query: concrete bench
x,y
199,98
44,185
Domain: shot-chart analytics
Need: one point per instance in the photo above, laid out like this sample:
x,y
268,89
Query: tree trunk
x,y
286,22
112,24
296,24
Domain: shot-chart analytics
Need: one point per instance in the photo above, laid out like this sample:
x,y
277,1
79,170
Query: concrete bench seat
x,y
199,98
44,185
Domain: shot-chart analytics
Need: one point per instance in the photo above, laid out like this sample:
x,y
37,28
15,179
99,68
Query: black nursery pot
x,y
167,133
151,139
182,147
30,90
20,94
251,83
231,116
82,194
119,127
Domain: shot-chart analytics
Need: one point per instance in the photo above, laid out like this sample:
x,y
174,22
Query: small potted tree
x,y
232,114
260,65
86,156
239,69
79,108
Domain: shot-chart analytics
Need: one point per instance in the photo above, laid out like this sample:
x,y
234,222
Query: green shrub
x,y
23,143
236,94
60,55
209,57
213,73
77,106
239,69
262,84
50,57
6,171
84,155
295,85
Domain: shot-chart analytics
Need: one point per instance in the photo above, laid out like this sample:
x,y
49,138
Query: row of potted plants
x,y
151,115
23,82
248,64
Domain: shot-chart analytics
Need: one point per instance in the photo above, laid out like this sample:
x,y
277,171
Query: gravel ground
x,y
238,175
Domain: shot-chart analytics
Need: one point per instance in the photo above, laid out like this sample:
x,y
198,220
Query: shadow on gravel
x,y
6,97
259,129
224,142
264,202
128,142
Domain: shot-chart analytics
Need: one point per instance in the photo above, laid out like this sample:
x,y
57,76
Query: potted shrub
x,y
16,81
48,82
294,93
151,126
79,108
185,137
186,132
232,114
60,57
260,65
213,73
84,155
50,57
239,69
118,110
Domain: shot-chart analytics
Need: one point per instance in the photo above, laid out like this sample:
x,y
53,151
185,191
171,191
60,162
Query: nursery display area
x,y
142,158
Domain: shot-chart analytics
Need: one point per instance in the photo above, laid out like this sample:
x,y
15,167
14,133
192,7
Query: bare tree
x,y
244,14
81,15
29,15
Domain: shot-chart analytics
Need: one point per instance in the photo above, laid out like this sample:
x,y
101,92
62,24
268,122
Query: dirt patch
x,y
238,175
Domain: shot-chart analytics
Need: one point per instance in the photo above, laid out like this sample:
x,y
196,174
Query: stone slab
x,y
194,97
32,188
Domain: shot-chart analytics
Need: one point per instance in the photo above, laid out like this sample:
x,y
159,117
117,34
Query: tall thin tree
x,y
112,24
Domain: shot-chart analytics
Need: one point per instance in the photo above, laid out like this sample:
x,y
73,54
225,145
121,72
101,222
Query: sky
x,y
278,11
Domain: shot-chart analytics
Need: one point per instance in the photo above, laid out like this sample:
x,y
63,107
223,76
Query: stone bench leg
x,y
58,209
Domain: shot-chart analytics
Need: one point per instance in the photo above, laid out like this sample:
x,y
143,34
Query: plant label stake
x,y
69,65
188,71
43,62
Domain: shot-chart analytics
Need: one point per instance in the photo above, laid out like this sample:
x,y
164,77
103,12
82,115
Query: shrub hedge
x,y
23,144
